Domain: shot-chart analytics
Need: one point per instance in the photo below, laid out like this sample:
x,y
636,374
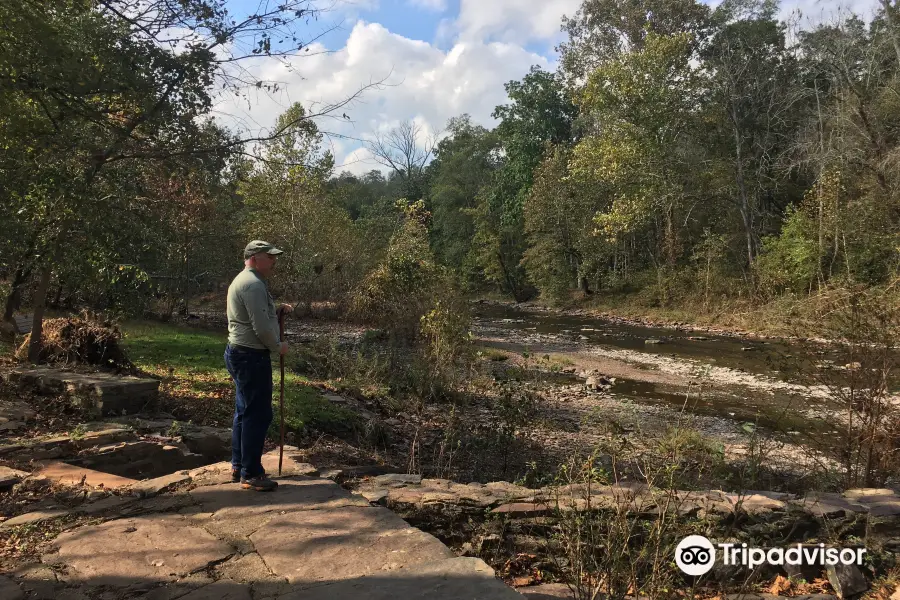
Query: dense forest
x,y
680,154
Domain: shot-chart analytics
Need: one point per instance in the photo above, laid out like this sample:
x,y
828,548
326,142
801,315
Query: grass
x,y
191,364
492,354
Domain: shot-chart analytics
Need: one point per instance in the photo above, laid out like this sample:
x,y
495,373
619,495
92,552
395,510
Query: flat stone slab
x,y
518,510
34,517
829,505
110,394
231,501
70,474
158,485
223,589
104,505
10,590
290,467
450,579
215,474
319,546
137,551
858,493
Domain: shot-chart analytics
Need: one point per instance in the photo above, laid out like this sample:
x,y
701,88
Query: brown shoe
x,y
259,484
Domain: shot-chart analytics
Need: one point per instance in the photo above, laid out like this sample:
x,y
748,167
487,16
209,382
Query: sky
x,y
435,59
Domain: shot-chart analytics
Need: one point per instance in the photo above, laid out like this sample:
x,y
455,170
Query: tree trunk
x,y
14,300
35,344
40,296
746,214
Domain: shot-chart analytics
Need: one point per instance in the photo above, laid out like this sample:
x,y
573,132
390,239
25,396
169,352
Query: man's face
x,y
265,263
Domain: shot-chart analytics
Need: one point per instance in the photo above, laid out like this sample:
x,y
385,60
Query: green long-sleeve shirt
x,y
252,320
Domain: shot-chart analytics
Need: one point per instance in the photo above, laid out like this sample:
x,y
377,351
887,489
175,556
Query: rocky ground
x,y
208,539
76,532
565,397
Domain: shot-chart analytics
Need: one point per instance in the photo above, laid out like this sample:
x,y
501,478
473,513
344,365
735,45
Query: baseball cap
x,y
259,246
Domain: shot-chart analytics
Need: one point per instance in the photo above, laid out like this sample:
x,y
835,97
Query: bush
x,y
419,306
789,261
402,288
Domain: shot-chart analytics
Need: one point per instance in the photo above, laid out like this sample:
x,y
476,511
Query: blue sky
x,y
436,58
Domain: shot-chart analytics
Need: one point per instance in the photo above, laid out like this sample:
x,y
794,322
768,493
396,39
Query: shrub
x,y
789,261
402,288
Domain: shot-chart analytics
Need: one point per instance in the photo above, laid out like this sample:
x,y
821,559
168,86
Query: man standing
x,y
252,336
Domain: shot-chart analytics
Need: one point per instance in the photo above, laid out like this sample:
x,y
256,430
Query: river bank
x,y
781,319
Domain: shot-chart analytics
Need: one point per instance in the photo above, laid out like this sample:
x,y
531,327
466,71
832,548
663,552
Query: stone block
x,y
449,579
521,510
108,394
9,590
847,580
144,550
212,442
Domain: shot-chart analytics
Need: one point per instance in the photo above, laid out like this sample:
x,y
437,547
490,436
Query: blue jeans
x,y
251,372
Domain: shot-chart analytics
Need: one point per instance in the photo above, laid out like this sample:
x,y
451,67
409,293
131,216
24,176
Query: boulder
x,y
847,580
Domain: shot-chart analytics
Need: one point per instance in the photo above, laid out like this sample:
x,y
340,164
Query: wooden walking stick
x,y
281,401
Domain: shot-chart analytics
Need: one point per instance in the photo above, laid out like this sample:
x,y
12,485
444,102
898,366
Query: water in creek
x,y
751,380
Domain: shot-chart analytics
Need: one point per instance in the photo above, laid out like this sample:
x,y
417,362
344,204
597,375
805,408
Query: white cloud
x,y
437,5
422,83
514,21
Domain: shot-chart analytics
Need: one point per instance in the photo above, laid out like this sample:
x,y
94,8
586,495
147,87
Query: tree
x,y
602,30
540,112
849,145
464,163
405,149
286,201
645,153
754,104
93,84
563,252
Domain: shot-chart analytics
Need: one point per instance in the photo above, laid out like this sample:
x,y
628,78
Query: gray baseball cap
x,y
259,246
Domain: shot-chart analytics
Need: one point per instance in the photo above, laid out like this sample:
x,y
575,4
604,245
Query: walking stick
x,y
281,401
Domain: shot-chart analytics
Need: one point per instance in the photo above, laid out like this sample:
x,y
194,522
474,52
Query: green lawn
x,y
190,362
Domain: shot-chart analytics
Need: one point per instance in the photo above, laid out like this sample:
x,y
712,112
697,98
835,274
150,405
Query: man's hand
x,y
284,349
286,309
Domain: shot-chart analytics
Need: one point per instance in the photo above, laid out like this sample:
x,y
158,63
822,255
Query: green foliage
x,y
563,253
400,289
447,344
790,260
417,303
464,163
540,113
286,202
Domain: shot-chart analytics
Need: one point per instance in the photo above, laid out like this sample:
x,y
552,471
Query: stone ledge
x,y
108,393
402,492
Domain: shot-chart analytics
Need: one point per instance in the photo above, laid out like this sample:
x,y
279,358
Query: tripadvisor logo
x,y
695,555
